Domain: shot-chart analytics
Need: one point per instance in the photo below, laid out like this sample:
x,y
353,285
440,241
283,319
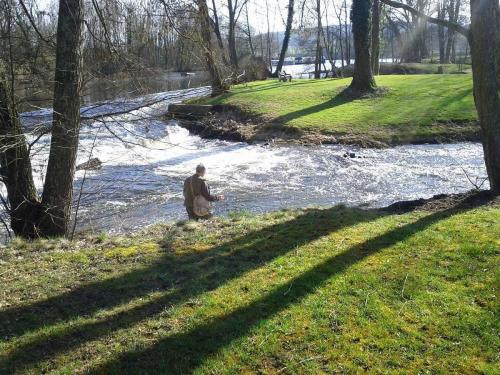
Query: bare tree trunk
x,y
231,41
375,36
216,28
340,26
396,34
330,43
453,57
15,168
485,52
347,44
393,57
363,80
268,39
249,32
286,38
319,53
423,51
204,20
453,10
262,46
58,188
441,36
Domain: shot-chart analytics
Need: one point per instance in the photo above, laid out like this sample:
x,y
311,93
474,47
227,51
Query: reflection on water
x,y
107,88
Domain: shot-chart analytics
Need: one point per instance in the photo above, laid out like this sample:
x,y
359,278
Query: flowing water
x,y
145,160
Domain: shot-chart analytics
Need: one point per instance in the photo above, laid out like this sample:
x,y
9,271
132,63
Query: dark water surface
x,y
38,95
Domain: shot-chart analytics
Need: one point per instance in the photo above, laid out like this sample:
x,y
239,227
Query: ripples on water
x,y
140,182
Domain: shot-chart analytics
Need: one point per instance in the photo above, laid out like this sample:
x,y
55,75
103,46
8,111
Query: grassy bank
x,y
416,108
423,68
307,291
414,68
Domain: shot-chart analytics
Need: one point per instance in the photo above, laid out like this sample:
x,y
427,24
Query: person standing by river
x,y
197,197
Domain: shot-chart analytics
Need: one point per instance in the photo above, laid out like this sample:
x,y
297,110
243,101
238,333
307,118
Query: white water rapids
x,y
145,160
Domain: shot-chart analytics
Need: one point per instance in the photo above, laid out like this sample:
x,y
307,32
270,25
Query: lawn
x,y
414,106
338,290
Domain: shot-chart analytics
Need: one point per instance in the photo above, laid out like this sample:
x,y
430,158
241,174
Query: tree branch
x,y
449,24
32,22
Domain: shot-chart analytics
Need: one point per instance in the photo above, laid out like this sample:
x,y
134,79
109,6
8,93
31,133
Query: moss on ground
x,y
306,291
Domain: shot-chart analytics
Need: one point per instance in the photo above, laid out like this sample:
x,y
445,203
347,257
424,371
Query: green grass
x,y
415,106
428,68
337,290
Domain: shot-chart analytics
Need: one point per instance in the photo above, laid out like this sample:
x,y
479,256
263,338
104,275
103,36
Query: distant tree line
x,y
120,36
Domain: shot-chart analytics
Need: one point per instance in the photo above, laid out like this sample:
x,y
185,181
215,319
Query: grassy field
x,y
415,106
336,290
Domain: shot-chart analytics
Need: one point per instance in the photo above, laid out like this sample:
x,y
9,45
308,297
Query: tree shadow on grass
x,y
193,275
184,352
280,123
344,97
335,101
270,85
177,277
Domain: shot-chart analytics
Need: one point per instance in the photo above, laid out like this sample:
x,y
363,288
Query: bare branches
x,y
33,24
449,24
77,208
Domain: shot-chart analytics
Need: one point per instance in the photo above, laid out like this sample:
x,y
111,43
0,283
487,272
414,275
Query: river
x,y
145,160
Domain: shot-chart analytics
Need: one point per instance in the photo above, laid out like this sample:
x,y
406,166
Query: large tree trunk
x,y
15,168
485,52
375,36
286,38
361,29
58,189
204,20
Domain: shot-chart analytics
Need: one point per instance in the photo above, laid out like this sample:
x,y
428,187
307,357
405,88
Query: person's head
x,y
200,170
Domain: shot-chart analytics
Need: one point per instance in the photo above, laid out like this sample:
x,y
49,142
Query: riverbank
x,y
413,109
409,288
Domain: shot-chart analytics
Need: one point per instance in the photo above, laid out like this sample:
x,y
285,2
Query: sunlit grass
x,y
415,106
334,290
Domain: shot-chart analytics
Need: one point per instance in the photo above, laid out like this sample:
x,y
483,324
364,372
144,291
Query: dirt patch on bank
x,y
231,124
462,201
